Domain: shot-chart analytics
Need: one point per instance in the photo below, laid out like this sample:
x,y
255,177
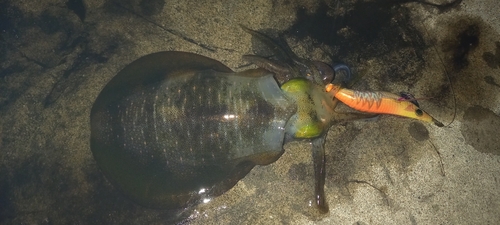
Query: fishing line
x,y
447,76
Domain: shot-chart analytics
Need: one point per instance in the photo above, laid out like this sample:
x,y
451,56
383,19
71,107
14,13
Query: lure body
x,y
380,102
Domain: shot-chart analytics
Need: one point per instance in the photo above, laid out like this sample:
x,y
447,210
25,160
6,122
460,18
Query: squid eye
x,y
325,71
419,112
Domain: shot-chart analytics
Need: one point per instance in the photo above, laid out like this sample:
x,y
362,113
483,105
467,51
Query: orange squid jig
x,y
380,102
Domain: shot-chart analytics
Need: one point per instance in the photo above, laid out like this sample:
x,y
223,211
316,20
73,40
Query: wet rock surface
x,y
480,125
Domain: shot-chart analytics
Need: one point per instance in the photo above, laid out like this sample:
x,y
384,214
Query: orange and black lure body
x,y
381,103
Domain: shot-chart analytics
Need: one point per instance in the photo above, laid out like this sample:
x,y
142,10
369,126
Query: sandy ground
x,y
56,56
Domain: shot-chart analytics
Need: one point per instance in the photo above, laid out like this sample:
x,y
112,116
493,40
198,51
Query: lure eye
x,y
326,72
419,112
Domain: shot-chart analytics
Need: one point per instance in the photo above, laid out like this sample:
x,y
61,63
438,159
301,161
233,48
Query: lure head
x,y
411,110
